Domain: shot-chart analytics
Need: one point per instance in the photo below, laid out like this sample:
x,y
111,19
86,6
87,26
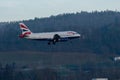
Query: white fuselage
x,y
50,35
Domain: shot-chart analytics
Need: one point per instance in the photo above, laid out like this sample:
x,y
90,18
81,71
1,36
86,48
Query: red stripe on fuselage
x,y
71,33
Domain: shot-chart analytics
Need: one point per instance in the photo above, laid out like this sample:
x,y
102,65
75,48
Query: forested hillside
x,y
100,33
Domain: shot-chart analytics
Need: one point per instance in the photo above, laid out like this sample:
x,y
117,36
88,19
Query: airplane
x,y
51,37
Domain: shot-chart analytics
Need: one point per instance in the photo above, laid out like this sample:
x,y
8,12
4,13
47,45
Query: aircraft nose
x,y
79,35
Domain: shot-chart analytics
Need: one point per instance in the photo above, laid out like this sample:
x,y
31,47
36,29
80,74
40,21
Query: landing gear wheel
x,y
49,43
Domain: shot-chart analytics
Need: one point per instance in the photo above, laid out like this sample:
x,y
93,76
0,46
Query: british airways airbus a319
x,y
51,37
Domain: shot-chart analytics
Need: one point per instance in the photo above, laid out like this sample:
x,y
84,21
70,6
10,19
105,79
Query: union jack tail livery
x,y
25,30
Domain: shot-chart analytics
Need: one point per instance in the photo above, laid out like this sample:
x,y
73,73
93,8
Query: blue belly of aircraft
x,y
64,39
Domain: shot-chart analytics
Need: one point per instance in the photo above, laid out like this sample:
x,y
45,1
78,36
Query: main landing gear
x,y
56,38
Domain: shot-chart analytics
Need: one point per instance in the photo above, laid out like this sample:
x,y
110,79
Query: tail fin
x,y
25,30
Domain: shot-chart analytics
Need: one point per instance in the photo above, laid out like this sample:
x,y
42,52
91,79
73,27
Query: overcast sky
x,y
11,10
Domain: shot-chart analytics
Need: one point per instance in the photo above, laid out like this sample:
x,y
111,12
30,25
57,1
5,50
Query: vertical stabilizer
x,y
25,30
